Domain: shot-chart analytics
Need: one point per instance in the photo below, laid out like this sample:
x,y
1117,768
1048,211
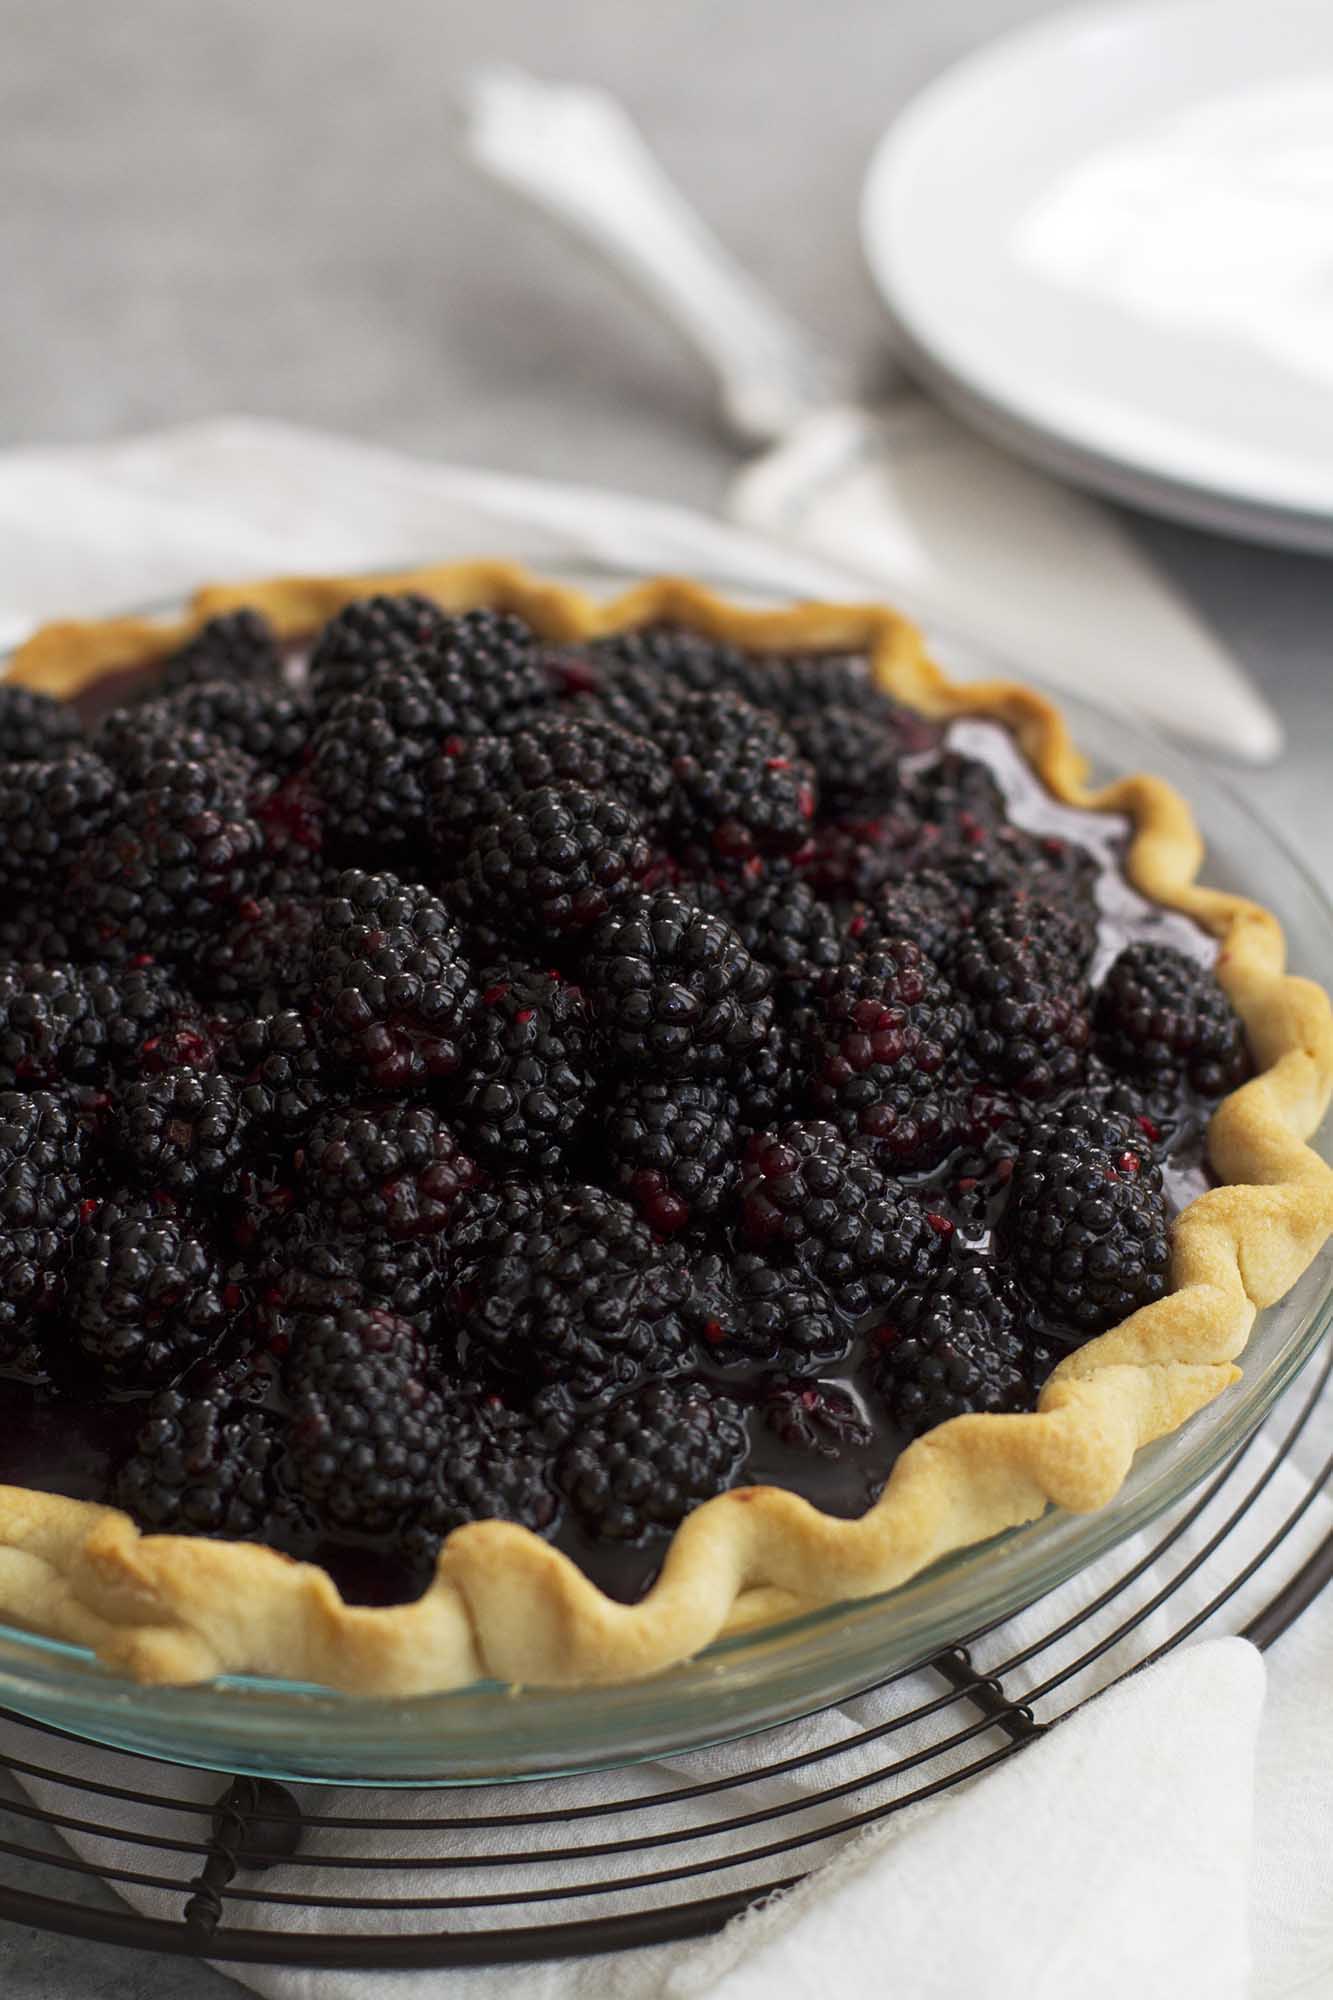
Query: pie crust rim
x,y
504,1605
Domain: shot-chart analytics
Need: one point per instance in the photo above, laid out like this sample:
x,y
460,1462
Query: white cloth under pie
x,y
1170,1839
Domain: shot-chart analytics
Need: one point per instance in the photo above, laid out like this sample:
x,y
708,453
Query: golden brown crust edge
x,y
504,1603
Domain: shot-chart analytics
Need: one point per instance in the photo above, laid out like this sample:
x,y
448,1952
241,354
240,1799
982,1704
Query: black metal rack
x,y
678,1885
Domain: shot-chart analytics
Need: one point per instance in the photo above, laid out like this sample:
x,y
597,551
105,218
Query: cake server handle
x,y
574,152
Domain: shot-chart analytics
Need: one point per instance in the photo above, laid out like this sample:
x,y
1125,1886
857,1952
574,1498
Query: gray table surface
x,y
257,207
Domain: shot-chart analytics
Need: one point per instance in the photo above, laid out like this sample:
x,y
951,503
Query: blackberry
x,y
1152,1104
476,779
184,1130
851,860
675,990
47,812
363,1432
1044,928
783,924
402,1275
33,931
1162,1017
170,866
268,723
954,822
883,1043
263,956
792,684
954,1351
529,1084
35,728
488,669
673,1149
741,785
957,798
392,992
203,1465
291,820
133,741
146,1296
746,1306
926,908
808,1197
855,761
239,646
490,1215
302,1271
32,1294
393,1167
766,1085
646,1461
368,761
42,1145
135,1015
638,699
1086,1225
817,1419
555,862
1058,873
492,1466
277,1071
364,640
187,1040
43,1009
805,684
694,661
1030,1007
577,1292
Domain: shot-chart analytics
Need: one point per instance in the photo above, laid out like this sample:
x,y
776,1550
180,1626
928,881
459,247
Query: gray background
x,y
254,205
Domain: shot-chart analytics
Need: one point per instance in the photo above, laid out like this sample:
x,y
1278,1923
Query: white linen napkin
x,y
89,529
1115,1855
235,498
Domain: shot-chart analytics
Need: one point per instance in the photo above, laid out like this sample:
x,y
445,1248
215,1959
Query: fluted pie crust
x,y
505,1604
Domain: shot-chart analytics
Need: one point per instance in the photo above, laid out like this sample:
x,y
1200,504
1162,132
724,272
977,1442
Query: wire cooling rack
x,y
685,1863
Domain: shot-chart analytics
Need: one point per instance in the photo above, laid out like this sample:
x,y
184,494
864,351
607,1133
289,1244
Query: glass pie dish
x,y
489,1731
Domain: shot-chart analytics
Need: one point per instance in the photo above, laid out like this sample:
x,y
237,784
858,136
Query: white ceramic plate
x,y
1108,240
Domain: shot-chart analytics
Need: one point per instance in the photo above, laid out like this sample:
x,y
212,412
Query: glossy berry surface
x,y
883,1041
674,990
580,1292
391,1166
530,1086
675,1149
650,1458
183,1129
391,993
1087,1218
1161,1015
555,863
238,646
367,640
34,727
146,1291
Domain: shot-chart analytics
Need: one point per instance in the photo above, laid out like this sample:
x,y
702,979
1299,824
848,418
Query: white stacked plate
x,y
1107,240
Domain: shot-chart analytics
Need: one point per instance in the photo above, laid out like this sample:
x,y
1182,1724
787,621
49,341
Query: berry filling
x,y
445,1078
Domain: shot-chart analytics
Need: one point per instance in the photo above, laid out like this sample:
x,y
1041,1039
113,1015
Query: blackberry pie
x,y
535,1133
